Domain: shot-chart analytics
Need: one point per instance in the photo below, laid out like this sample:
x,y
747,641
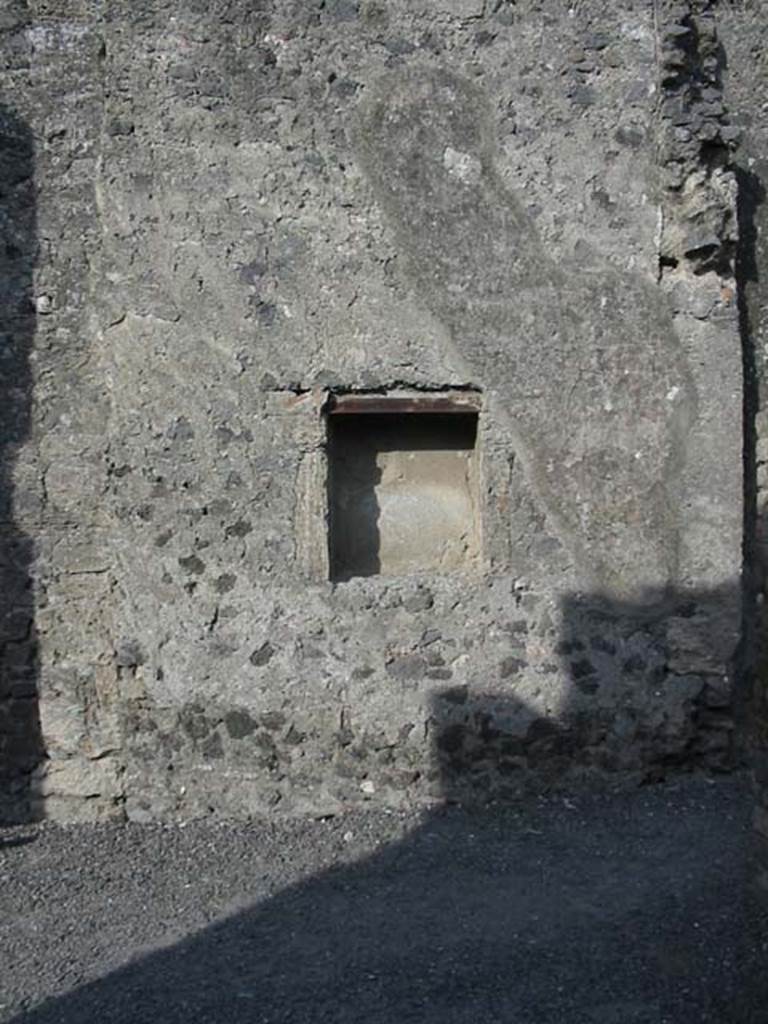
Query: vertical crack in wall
x,y
752,652
743,27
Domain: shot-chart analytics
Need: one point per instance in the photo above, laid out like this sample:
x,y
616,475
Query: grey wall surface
x,y
242,208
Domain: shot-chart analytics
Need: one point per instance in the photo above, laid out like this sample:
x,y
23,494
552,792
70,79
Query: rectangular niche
x,y
402,484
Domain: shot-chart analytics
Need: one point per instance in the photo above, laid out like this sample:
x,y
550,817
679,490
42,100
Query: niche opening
x,y
402,484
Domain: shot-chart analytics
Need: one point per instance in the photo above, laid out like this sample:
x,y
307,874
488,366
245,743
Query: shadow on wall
x,y
353,505
752,196
755,630
652,689
21,746
604,907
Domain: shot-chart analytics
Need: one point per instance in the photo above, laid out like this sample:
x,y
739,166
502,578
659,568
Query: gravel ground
x,y
622,908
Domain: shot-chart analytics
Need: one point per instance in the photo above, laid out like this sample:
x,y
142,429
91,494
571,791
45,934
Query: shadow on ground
x,y
600,908
607,909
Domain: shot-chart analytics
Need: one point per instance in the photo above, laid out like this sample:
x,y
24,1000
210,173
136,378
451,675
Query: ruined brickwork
x,y
229,219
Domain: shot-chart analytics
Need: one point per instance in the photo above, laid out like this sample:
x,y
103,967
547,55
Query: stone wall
x,y
57,579
242,210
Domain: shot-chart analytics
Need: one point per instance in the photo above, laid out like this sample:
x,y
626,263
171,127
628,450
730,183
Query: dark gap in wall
x,y
751,195
21,744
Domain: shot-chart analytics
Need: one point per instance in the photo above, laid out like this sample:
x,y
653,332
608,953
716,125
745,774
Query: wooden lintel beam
x,y
445,404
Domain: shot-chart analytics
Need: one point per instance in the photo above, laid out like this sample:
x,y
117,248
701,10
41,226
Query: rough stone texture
x,y
240,208
743,30
59,676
